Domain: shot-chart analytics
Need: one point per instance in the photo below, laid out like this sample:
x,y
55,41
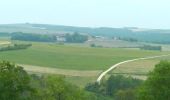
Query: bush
x,y
92,45
117,87
16,47
14,83
157,85
148,47
76,38
17,84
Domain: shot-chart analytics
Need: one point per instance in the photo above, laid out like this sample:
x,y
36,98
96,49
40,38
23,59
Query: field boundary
x,y
66,72
123,62
4,42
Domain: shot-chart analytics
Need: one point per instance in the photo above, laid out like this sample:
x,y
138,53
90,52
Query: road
x,y
116,65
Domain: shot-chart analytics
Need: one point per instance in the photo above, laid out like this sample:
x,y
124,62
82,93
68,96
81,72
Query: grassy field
x,y
80,65
65,72
72,57
113,43
138,69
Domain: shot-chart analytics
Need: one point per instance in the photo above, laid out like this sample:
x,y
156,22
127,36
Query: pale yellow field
x,y
78,77
138,69
65,72
4,42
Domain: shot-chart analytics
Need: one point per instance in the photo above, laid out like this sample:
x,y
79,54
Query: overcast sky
x,y
93,13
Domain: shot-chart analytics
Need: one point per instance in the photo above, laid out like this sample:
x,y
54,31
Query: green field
x,y
138,69
71,57
75,61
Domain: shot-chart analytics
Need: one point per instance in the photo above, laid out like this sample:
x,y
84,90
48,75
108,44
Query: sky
x,y
88,13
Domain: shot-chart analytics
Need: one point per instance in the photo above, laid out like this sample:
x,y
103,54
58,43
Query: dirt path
x,y
67,72
116,65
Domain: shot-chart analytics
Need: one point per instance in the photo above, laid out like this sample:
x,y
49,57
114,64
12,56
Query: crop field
x,y
138,69
80,65
114,43
70,57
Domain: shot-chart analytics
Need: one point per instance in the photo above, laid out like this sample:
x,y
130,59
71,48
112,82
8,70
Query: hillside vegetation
x,y
17,84
137,34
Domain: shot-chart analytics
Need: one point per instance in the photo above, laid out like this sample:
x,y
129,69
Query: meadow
x,y
80,64
138,69
72,57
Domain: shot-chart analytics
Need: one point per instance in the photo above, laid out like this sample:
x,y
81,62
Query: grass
x,y
138,69
71,57
65,72
113,43
80,81
76,61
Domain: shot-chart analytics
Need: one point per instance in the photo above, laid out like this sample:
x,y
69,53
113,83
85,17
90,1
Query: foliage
x,y
76,38
72,57
15,47
97,46
14,83
4,34
118,87
119,82
33,37
157,86
149,35
129,39
149,47
128,94
93,45
55,88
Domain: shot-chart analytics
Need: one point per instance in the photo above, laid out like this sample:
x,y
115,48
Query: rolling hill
x,y
143,35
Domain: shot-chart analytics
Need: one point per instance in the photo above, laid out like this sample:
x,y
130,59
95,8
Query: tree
x,y
33,37
157,86
14,83
56,88
76,38
120,82
128,94
118,87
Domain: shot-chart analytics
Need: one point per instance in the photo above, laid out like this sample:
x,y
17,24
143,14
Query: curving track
x,y
116,65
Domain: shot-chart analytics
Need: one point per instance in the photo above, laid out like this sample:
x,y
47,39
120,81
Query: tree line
x,y
4,34
76,38
15,47
149,47
128,39
33,37
69,38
